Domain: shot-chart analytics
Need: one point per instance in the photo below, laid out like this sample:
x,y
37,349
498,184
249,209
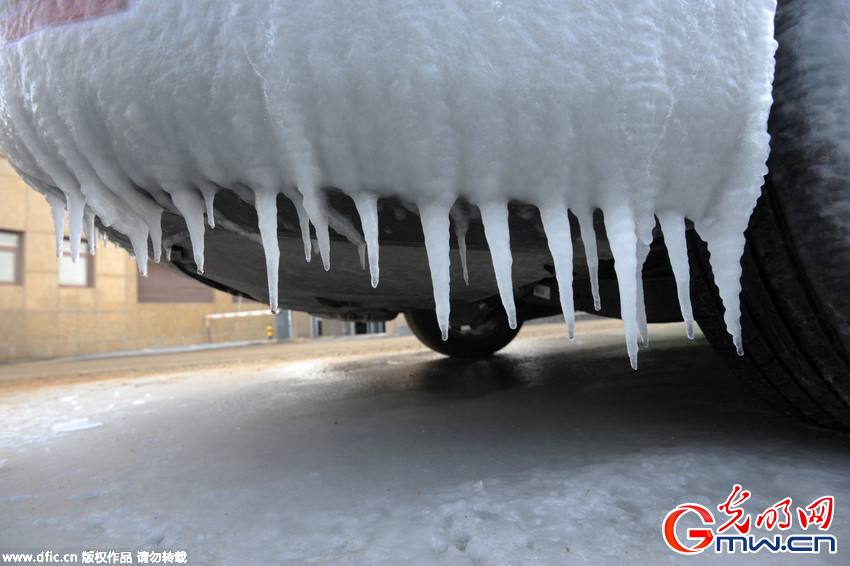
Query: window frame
x,y
18,251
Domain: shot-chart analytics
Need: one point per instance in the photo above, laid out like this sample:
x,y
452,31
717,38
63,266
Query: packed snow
x,y
541,455
642,109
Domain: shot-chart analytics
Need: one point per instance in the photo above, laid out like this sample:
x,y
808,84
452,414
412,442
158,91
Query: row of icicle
x,y
437,218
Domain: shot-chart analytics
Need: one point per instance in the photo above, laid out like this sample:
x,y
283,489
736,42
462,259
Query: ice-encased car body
x,y
472,164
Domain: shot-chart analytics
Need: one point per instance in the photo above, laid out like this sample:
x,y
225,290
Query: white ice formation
x,y
645,109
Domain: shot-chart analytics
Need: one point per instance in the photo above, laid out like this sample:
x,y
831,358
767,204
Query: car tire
x,y
481,339
796,267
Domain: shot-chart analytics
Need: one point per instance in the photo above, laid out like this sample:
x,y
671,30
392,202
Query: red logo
x,y
736,533
704,536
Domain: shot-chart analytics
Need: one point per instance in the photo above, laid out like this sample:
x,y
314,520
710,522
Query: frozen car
x,y
472,164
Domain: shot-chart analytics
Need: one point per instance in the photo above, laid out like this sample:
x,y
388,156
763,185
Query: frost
x,y
644,110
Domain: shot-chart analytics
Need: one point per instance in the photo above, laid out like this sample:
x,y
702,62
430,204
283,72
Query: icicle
x,y
191,207
122,205
556,224
57,209
208,190
643,327
494,215
314,205
266,204
155,227
297,200
304,223
725,250
644,227
367,207
90,229
137,231
673,227
435,226
620,226
76,209
461,224
588,237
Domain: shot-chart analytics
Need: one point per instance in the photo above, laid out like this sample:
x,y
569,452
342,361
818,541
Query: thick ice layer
x,y
642,109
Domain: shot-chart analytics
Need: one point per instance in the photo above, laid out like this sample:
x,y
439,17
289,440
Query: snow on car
x,y
514,130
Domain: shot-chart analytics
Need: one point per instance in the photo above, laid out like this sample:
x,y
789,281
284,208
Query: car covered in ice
x,y
472,164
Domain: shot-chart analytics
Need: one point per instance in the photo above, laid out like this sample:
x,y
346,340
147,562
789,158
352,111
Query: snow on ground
x,y
546,454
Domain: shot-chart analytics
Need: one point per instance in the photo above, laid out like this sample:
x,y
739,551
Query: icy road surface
x,y
547,454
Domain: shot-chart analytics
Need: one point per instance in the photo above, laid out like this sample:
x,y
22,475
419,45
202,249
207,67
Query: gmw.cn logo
x,y
772,530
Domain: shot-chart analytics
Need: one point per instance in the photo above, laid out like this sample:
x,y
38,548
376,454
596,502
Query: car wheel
x,y
796,267
488,333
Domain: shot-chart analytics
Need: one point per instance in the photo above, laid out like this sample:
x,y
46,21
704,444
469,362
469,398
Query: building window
x,y
165,286
80,274
11,258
